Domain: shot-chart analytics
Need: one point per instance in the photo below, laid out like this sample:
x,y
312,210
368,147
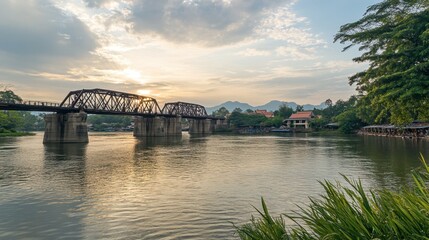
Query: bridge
x,y
68,123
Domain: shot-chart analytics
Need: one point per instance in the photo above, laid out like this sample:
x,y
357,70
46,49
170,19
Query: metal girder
x,y
107,101
186,110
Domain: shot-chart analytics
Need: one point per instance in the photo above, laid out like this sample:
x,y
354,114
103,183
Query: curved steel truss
x,y
185,110
107,101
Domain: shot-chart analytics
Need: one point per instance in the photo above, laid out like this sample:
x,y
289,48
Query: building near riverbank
x,y
300,120
413,130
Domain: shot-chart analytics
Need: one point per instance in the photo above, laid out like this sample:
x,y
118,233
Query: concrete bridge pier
x,y
173,126
157,127
200,126
66,128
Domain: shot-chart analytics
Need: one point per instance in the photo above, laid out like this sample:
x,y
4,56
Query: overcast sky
x,y
201,51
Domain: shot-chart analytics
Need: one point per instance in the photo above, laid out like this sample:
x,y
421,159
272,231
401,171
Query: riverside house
x,y
300,120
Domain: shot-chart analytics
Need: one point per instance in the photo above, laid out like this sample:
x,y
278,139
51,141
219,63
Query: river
x,y
119,187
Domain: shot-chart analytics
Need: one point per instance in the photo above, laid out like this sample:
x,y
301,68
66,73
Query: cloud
x,y
207,23
40,41
97,3
296,53
251,52
283,24
36,34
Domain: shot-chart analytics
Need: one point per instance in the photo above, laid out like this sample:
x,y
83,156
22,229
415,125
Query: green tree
x,y
31,122
221,112
394,38
239,110
9,96
10,121
276,121
299,108
284,111
238,119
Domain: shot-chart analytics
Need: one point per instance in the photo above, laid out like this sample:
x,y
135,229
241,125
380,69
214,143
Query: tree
x,y
9,96
10,121
284,111
238,119
237,110
394,38
299,108
221,112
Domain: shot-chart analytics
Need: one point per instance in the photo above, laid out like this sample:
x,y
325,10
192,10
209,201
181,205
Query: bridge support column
x,y
66,128
157,127
200,126
173,126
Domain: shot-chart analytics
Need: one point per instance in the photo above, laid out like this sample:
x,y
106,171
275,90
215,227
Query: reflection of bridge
x,y
69,122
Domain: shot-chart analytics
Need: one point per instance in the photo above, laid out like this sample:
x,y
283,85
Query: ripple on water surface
x,y
119,187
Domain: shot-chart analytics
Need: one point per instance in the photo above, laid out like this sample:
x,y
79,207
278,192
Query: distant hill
x,y
270,106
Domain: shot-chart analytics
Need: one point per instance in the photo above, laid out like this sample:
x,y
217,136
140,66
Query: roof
x,y
302,115
265,113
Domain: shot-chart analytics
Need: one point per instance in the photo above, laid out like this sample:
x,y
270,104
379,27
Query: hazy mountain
x,y
270,106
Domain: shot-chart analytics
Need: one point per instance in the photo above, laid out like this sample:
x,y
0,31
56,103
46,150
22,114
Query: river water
x,y
119,187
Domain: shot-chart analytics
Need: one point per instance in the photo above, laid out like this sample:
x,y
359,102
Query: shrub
x,y
349,212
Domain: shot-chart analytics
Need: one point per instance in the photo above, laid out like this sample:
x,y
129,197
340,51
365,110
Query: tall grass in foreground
x,y
349,212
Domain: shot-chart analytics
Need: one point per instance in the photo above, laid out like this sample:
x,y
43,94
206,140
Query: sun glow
x,y
144,92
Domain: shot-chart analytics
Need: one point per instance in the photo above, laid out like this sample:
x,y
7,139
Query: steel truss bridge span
x,y
102,101
110,102
185,110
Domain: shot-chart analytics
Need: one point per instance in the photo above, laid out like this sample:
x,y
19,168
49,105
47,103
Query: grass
x,y
350,212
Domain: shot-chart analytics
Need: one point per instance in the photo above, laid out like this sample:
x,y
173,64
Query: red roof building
x,y
300,119
265,113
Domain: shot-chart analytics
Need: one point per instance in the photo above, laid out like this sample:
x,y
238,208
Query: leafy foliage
x,y
12,121
221,112
102,122
238,119
266,227
284,111
9,96
345,113
394,38
350,212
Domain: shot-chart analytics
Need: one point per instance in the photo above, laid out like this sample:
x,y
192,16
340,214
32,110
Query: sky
x,y
198,51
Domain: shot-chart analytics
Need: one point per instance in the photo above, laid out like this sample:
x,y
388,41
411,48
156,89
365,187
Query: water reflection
x,y
148,142
60,152
64,166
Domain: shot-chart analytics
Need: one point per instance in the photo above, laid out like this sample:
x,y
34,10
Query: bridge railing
x,y
40,103
31,103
